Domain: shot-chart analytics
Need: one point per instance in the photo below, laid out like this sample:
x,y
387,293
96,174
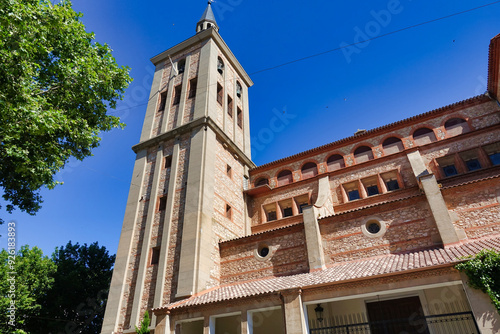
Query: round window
x,y
262,252
373,227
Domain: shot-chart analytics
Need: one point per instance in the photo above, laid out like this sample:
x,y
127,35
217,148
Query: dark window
x,y
302,206
230,106
493,152
168,161
219,93
263,251
372,190
192,88
155,255
220,65
373,227
163,203
473,164
239,117
392,185
495,158
163,100
335,162
238,89
262,181
177,94
287,212
229,171
353,195
229,211
181,66
450,170
362,154
271,215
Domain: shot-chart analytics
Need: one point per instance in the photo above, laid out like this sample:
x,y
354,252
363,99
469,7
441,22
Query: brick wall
x,y
409,227
479,217
288,255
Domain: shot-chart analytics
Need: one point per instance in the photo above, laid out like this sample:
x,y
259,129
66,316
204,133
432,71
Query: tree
x,y
483,271
25,278
144,329
77,299
56,84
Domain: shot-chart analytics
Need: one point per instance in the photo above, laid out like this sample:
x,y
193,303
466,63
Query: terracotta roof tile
x,y
471,100
376,266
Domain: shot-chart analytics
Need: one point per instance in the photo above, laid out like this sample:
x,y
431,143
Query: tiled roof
x,y
346,271
471,100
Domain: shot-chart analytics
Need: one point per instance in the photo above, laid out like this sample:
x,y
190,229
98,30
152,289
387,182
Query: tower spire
x,y
207,19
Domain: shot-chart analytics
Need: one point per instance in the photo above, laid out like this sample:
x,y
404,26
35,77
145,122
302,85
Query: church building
x,y
357,236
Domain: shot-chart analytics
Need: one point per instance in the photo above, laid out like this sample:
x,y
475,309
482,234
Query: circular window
x,y
373,227
263,252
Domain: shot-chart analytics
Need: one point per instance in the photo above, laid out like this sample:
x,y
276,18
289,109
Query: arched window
x,y
309,169
285,177
238,89
456,126
261,182
392,145
424,136
335,162
362,154
220,65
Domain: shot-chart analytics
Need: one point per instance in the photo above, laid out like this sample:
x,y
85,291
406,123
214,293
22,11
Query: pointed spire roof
x,y
207,19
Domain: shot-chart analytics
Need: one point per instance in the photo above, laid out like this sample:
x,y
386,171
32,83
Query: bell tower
x,y
187,188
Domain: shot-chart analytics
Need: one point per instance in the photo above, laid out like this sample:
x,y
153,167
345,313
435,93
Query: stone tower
x,y
191,168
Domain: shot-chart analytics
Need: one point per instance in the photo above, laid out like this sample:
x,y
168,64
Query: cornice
x,y
188,127
199,38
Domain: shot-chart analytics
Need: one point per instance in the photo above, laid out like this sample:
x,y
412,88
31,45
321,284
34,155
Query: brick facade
x,y
402,204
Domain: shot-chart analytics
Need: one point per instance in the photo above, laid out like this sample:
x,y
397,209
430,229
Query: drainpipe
x,y
283,310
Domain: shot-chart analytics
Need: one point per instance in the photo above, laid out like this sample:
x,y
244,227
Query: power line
x,y
373,38
348,45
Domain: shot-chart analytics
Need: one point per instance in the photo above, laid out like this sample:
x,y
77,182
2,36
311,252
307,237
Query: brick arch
x,y
334,153
423,142
360,159
456,130
391,150
306,174
284,181
260,177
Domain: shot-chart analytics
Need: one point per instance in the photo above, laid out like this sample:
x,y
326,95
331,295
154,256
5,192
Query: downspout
x,y
283,310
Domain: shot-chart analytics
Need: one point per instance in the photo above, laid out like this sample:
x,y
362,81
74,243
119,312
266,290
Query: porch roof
x,y
341,272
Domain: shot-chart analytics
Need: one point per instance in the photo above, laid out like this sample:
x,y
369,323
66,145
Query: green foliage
x,y
144,325
77,299
31,281
484,273
56,84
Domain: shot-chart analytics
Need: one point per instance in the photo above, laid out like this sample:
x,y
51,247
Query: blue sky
x,y
326,98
